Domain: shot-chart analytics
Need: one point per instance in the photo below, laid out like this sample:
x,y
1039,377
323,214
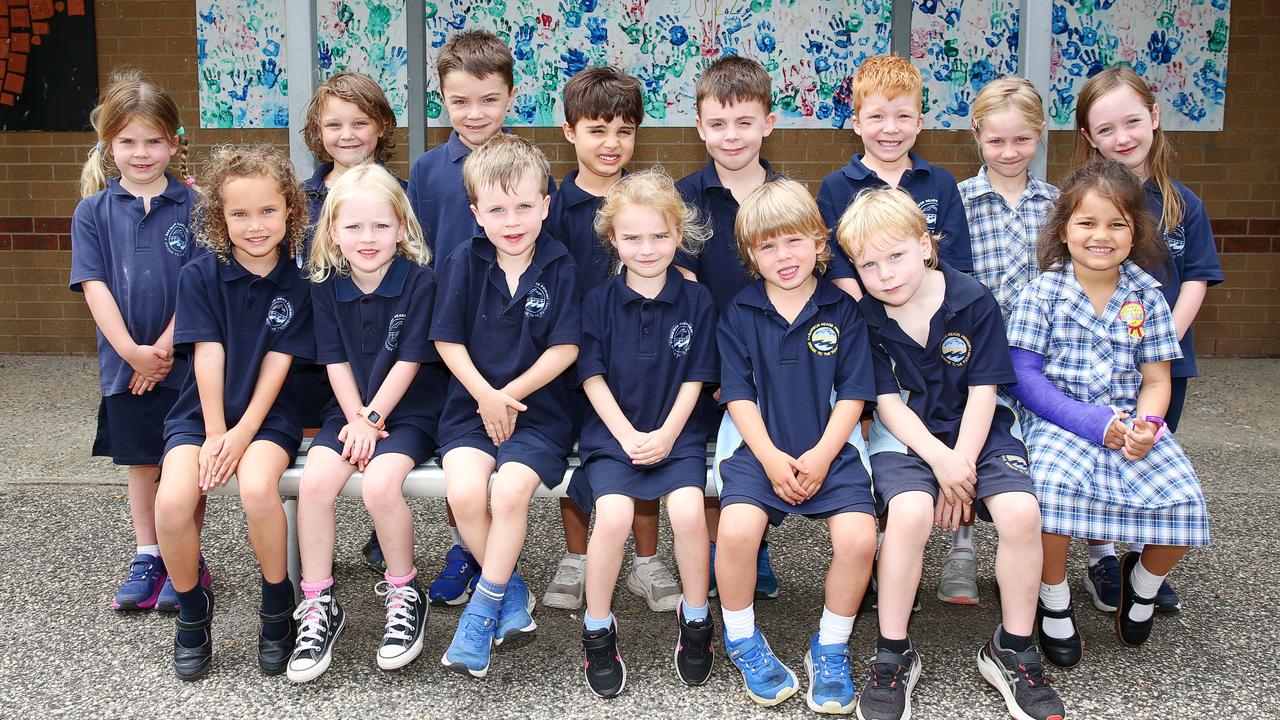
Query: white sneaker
x,y
568,586
654,582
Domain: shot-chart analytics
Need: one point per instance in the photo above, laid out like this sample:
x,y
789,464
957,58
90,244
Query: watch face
x,y
374,417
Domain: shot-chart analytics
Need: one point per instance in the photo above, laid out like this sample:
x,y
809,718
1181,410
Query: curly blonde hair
x,y
228,162
653,189
370,181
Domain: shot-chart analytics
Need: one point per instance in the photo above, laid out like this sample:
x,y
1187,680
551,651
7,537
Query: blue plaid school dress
x,y
1087,490
1004,238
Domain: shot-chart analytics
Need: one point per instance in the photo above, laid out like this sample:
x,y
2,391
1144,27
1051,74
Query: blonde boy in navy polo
x,y
887,93
941,446
507,324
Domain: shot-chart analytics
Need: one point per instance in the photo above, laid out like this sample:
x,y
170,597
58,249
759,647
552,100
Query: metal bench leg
x,y
295,561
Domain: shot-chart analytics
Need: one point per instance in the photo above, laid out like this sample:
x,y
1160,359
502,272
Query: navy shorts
x,y
289,443
610,476
776,516
131,427
527,447
846,488
406,438
308,391
998,472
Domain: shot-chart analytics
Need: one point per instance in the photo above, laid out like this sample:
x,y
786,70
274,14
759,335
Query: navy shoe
x,y
712,592
168,599
141,587
603,668
694,653
766,581
890,680
1167,600
402,636
1103,583
457,579
372,552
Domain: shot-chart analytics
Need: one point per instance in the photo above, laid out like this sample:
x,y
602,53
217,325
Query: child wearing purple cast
x,y
129,242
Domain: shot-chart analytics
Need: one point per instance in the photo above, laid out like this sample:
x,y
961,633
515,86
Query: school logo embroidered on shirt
x,y
177,238
279,314
1134,316
1016,463
929,206
537,301
1176,240
393,331
681,339
955,349
824,339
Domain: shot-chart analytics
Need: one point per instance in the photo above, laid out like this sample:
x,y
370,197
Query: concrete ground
x,y
65,543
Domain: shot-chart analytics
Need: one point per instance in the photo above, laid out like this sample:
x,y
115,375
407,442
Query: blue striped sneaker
x,y
831,688
472,643
141,587
766,581
766,679
516,616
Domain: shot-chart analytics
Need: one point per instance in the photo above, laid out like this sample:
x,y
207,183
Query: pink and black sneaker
x,y
168,600
141,589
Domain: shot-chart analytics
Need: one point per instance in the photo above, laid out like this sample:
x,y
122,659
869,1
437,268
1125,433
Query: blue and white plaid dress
x,y
1004,238
1085,489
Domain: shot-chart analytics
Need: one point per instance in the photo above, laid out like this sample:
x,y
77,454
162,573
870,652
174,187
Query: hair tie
x,y
191,182
181,131
96,147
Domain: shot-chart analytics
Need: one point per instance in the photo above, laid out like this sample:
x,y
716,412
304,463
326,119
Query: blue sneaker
x,y
472,643
142,585
373,557
1103,583
1167,600
457,578
516,616
712,592
168,599
766,581
831,688
767,680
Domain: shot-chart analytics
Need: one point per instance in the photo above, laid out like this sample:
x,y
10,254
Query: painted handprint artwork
x,y
960,46
367,37
240,58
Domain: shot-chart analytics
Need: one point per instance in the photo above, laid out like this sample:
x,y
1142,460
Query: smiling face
x,y
476,106
1008,144
142,153
733,132
1099,236
367,232
256,214
513,219
645,241
787,261
892,269
349,135
603,148
1121,128
888,126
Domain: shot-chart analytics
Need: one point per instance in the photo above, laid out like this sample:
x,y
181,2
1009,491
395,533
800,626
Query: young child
x,y
1092,339
243,315
734,105
1005,205
795,372
507,324
940,440
129,241
603,108
647,349
1119,119
887,99
373,302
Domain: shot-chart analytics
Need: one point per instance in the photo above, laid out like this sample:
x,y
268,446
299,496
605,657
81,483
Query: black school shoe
x,y
693,650
603,668
193,663
1131,632
273,655
1063,652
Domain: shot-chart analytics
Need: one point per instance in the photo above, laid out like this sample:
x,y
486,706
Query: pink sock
x,y
312,590
401,580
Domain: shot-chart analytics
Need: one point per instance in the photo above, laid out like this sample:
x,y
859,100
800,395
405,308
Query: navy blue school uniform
x,y
645,349
138,255
372,332
250,316
934,190
571,220
439,197
795,372
966,347
718,266
505,333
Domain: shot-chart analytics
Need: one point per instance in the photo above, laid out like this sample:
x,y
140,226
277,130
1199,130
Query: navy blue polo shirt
x,y
316,192
506,333
966,347
373,331
249,316
571,220
139,255
1192,256
934,190
718,266
645,349
794,371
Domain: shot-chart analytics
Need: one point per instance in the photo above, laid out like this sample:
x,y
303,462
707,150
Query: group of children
x,y
898,354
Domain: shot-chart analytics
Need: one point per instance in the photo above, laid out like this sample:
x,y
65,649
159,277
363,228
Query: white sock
x,y
1136,547
1057,597
575,557
457,537
962,539
643,559
152,550
834,629
1145,585
1097,552
739,624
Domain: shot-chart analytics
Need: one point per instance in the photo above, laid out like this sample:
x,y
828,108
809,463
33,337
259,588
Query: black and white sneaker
x,y
320,622
603,668
693,649
406,619
1019,677
890,679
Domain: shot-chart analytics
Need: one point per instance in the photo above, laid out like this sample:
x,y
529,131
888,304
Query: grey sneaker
x,y
568,585
890,680
1019,677
958,584
654,582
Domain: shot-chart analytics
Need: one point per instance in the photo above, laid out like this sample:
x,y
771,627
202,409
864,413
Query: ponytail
x,y
93,176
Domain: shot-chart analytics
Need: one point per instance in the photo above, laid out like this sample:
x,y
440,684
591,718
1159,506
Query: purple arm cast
x,y
1040,396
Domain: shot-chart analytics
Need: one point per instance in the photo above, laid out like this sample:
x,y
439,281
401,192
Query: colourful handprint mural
x,y
240,58
960,46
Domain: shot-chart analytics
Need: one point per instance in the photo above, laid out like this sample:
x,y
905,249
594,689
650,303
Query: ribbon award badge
x,y
1133,315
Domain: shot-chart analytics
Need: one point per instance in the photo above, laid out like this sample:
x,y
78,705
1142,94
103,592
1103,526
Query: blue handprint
x,y
571,14
324,56
1189,106
270,73
677,35
981,73
952,17
928,7
588,6
841,32
815,42
766,42
1088,36
1058,21
456,21
599,31
575,61
1162,47
395,60
523,49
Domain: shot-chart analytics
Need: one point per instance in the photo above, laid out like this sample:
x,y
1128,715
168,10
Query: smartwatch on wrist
x,y
371,416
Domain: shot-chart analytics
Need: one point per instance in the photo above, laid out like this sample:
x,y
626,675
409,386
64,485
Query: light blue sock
x,y
693,614
489,594
593,625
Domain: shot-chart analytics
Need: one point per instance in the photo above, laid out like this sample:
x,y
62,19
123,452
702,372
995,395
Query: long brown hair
x,y
129,97
1116,183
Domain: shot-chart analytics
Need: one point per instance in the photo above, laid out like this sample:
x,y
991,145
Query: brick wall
x,y
39,174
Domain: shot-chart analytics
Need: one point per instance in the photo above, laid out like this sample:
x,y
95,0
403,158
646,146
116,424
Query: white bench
x,y
426,480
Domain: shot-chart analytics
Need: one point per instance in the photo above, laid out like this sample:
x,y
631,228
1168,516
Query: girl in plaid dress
x,y
1092,339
